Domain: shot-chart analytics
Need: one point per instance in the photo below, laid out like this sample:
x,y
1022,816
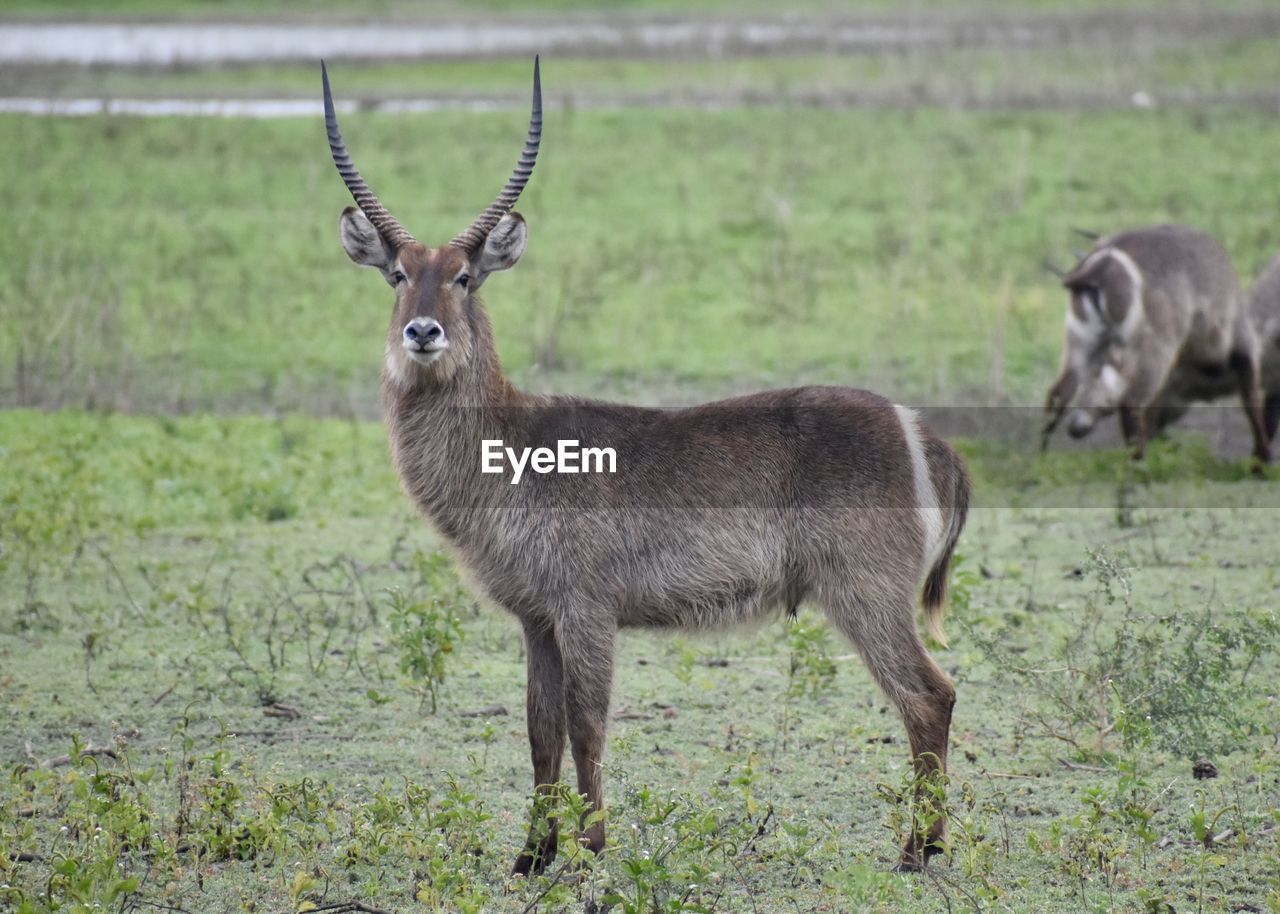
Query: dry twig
x,y
1076,766
487,711
90,750
280,709
344,907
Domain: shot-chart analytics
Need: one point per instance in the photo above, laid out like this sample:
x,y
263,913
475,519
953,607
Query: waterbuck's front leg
x,y
1134,423
587,649
545,714
1056,403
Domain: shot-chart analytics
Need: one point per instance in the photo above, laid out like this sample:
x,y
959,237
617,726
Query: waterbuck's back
x,y
1190,296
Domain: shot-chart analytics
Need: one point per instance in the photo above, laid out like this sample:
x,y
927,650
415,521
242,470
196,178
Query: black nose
x,y
423,331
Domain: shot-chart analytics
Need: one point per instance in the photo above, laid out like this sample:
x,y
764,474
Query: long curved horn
x,y
365,198
475,235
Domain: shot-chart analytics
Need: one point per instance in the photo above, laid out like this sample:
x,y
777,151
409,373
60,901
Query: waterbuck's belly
x,y
721,605
708,570
1192,382
701,568
691,569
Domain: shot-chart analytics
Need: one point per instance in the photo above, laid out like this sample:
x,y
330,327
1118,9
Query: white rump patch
x,y
1134,316
927,508
1094,322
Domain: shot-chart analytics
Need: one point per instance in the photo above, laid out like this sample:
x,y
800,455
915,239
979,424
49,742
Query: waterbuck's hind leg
x,y
928,720
545,713
884,632
1271,415
1248,374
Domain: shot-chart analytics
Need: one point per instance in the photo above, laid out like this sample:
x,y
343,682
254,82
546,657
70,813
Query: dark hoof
x,y
532,861
529,865
914,862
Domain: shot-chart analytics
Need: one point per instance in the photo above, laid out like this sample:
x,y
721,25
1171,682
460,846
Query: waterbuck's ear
x,y
362,242
501,249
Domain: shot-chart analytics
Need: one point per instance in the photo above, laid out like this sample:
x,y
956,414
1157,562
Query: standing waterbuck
x,y
1155,321
716,514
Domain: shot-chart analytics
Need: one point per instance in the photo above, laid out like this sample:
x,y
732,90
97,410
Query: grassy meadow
x,y
238,673
196,264
303,705
1219,65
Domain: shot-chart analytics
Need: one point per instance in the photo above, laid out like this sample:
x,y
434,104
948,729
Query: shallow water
x,y
224,107
169,44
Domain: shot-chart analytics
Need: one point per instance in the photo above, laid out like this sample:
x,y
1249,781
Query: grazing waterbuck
x,y
1155,321
1264,313
715,514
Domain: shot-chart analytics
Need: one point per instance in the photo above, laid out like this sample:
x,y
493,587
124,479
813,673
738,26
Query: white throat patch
x,y
391,364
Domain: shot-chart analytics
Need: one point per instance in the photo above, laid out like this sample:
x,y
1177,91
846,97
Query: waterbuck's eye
x,y
397,277
463,280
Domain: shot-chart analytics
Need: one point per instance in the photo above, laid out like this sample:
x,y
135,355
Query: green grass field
x,y
1214,65
238,673
239,610
195,263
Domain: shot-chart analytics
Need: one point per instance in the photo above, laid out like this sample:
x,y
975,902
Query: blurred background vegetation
x,y
702,222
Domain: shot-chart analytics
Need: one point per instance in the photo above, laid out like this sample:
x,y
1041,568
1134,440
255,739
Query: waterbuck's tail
x,y
935,585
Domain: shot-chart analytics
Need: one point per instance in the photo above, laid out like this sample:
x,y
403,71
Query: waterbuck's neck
x,y
438,414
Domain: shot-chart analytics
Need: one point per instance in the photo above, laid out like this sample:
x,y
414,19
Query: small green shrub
x,y
1184,676
425,624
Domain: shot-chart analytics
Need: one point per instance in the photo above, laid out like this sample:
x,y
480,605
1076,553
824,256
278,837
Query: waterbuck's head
x,y
437,325
1101,358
